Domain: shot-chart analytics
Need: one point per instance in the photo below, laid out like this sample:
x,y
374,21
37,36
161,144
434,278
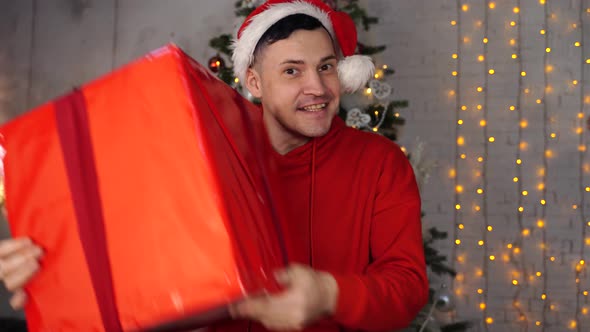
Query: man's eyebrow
x,y
293,62
301,62
329,57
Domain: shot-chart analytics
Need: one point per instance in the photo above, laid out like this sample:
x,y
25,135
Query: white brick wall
x,y
77,40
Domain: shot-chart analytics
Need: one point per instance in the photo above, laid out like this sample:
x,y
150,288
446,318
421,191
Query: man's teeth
x,y
316,107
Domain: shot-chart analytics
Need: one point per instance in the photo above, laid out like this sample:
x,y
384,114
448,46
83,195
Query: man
x,y
352,218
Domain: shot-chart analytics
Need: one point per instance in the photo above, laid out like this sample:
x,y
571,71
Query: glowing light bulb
x,y
482,123
548,50
491,139
491,72
465,7
540,223
577,44
523,73
457,242
461,226
512,23
516,10
518,161
480,243
515,179
453,22
459,122
492,5
455,56
482,306
492,257
489,320
514,56
490,228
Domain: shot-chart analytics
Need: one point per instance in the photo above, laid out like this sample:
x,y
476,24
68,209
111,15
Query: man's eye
x,y
326,67
291,71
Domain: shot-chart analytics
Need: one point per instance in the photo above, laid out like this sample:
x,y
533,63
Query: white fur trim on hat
x,y
243,48
354,72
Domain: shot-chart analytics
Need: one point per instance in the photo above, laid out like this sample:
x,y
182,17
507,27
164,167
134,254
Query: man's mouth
x,y
314,108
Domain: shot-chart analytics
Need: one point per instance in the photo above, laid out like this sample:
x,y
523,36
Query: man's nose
x,y
314,84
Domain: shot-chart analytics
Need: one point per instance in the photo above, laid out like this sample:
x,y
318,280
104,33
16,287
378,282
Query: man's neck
x,y
281,139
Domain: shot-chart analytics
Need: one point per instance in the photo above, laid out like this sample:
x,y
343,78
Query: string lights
x,y
530,274
517,260
544,247
581,266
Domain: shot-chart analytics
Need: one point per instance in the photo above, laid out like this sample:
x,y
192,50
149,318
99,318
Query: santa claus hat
x,y
353,70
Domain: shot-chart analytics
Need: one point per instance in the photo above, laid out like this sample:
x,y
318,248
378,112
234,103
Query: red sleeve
x,y
395,287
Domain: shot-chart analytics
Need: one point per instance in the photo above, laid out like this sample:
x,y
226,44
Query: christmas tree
x,y
372,109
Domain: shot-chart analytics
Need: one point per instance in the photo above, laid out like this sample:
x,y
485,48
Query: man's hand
x,y
308,296
19,262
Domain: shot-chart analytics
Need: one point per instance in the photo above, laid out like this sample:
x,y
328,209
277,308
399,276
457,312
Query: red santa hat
x,y
353,70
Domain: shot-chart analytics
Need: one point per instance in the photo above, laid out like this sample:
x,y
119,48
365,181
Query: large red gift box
x,y
150,191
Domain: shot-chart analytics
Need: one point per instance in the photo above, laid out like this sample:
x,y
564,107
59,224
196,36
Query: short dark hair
x,y
284,28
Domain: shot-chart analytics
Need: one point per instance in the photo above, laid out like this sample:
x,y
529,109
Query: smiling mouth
x,y
314,108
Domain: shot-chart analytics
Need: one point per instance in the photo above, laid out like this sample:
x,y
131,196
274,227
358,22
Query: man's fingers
x,y
20,277
19,299
18,260
283,277
253,308
11,246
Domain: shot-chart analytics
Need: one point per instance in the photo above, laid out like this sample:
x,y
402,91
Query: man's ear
x,y
253,83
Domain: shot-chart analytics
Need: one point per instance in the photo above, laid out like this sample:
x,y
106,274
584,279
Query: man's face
x,y
297,81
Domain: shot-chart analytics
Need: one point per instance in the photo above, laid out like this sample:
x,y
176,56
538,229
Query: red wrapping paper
x,y
150,191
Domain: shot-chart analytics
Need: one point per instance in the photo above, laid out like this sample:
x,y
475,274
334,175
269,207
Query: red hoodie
x,y
353,209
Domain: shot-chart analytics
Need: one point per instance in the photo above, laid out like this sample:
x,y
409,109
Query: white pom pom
x,y
354,72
